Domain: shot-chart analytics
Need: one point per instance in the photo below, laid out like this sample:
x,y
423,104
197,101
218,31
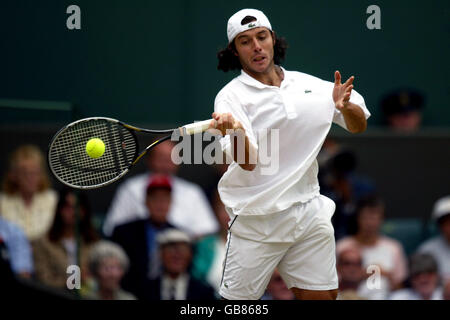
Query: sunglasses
x,y
351,263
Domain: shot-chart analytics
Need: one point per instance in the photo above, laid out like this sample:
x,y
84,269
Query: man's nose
x,y
256,45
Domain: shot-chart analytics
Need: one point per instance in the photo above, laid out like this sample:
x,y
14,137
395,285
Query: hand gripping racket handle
x,y
196,127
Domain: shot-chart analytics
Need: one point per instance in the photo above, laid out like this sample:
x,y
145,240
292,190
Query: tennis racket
x,y
69,162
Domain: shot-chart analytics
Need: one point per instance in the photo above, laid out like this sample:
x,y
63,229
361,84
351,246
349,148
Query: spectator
x,y
107,263
330,148
402,109
340,183
277,289
176,283
207,176
376,249
58,249
424,280
210,250
27,199
439,246
138,238
190,209
351,275
18,248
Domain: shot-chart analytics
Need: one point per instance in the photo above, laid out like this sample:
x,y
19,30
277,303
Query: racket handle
x,y
196,127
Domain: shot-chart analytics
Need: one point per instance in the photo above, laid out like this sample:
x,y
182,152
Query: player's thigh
x,y
248,266
310,263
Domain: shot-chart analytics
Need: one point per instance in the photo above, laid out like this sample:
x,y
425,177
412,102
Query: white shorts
x,y
299,241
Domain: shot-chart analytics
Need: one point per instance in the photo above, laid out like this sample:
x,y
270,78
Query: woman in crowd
x,y
27,199
108,263
378,251
67,243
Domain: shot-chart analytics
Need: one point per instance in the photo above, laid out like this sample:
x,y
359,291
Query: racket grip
x,y
196,127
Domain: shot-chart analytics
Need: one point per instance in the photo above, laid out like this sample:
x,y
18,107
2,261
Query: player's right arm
x,y
244,153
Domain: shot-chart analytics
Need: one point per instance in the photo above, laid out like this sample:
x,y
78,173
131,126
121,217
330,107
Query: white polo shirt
x,y
301,111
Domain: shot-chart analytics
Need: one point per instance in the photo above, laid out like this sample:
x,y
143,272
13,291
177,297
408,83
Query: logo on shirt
x,y
308,91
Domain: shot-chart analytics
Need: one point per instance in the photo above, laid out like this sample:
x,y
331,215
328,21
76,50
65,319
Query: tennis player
x,y
278,220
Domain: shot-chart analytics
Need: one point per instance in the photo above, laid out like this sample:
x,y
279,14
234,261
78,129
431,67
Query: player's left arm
x,y
354,116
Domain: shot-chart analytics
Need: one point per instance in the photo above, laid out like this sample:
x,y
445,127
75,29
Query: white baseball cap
x,y
441,207
171,236
235,26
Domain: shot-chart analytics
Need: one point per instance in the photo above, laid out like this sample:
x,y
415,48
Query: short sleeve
x,y
357,99
225,105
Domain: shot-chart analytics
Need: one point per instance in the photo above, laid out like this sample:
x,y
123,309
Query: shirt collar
x,y
182,278
249,80
174,288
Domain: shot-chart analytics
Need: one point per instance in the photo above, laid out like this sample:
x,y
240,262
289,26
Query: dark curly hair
x,y
229,61
87,230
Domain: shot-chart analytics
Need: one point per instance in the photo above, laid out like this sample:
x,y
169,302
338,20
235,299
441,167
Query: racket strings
x,y
71,164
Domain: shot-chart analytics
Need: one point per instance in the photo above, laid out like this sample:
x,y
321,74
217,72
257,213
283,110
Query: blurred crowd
x,y
163,238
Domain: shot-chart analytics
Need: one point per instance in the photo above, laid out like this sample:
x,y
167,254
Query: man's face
x,y
350,267
176,257
158,204
425,283
160,160
370,220
255,50
406,121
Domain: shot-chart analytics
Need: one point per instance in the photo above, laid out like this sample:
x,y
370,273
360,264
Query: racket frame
x,y
189,129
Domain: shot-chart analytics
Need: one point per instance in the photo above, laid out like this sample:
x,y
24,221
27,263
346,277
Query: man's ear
x,y
273,37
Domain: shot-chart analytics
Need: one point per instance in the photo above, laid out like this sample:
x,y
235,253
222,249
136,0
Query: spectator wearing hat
x,y
107,263
175,282
439,246
129,202
403,109
138,238
423,278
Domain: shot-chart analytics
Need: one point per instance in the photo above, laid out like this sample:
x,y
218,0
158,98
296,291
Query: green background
x,y
154,63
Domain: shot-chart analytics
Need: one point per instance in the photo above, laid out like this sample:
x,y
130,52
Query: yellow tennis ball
x,y
95,148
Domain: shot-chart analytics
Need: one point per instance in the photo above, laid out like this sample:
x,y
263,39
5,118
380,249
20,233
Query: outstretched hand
x,y
342,92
